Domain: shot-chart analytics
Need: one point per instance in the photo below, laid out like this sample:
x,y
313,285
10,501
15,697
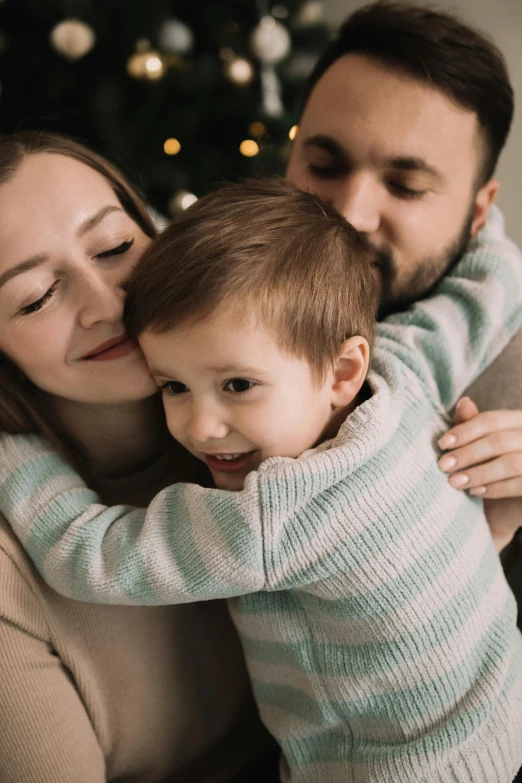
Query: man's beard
x,y
426,276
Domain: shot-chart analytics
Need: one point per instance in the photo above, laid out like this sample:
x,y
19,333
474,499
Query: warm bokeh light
x,y
146,65
172,147
292,133
249,148
154,66
257,128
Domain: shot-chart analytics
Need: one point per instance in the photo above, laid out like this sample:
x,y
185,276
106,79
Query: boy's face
x,y
233,398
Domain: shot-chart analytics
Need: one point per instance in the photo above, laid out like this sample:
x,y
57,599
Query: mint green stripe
x,y
29,477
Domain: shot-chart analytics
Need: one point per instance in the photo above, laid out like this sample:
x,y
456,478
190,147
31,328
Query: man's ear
x,y
483,201
350,371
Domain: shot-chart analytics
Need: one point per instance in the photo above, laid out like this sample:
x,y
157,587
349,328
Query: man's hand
x,y
484,456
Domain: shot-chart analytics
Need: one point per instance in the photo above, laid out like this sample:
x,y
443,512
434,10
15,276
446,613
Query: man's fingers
x,y
496,444
465,410
509,489
479,426
504,468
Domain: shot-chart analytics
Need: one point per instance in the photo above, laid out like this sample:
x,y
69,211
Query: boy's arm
x,y
191,543
450,337
194,543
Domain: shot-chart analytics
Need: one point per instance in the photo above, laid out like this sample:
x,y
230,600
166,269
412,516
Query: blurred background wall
x,y
501,20
186,93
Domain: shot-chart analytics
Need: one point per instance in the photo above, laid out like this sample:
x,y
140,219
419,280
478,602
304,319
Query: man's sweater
x,y
378,628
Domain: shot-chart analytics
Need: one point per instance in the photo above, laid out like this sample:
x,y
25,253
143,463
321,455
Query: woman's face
x,y
66,251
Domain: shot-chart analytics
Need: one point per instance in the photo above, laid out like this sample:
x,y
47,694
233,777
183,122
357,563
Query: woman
x,y
89,693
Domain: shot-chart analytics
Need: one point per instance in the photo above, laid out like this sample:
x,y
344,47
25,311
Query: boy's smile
x,y
233,398
229,463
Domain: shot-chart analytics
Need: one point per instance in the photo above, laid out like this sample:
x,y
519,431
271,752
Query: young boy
x,y
379,631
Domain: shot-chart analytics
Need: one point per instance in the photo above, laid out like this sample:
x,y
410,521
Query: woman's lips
x,y
230,465
115,350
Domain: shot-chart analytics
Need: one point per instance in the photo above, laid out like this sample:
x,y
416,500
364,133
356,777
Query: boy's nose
x,y
205,424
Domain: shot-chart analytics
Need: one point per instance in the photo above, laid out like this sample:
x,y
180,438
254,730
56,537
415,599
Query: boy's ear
x,y
350,371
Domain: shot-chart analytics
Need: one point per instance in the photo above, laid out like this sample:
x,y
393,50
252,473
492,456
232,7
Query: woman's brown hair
x,y
23,408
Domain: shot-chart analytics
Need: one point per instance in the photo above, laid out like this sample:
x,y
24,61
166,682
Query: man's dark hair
x,y
436,48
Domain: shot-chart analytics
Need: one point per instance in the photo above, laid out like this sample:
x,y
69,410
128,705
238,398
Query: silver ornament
x,y
180,201
72,38
270,41
175,37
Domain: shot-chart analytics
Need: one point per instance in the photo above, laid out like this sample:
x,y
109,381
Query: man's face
x,y
399,161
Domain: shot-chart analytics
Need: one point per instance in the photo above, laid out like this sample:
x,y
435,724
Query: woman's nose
x,y
102,299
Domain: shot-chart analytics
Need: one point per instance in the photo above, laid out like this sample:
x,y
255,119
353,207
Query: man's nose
x,y
357,200
205,423
101,299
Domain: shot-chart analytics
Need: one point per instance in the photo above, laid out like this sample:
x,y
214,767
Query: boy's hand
x,y
484,456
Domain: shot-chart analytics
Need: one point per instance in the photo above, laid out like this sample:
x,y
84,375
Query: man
x,y
405,116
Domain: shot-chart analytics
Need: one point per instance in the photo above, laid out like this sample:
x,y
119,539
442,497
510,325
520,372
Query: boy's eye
x,y
238,385
117,251
174,388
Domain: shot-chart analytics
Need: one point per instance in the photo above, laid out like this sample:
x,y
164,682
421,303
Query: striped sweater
x,y
378,628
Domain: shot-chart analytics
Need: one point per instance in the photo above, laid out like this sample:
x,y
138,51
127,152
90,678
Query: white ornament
x,y
270,41
271,91
310,13
239,71
72,38
180,201
175,37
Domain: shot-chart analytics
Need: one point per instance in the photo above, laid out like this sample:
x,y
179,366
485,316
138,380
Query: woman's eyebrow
x,y
30,263
23,266
91,222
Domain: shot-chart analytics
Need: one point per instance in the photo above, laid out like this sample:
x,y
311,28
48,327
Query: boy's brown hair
x,y
266,249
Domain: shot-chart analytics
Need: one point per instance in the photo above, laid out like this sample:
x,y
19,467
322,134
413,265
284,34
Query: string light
x,y
154,66
292,133
249,148
257,128
171,147
146,65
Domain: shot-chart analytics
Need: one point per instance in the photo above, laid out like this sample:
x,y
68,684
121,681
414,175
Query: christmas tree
x,y
182,95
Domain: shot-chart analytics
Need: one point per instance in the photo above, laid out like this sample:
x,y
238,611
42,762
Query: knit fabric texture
x,y
379,631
